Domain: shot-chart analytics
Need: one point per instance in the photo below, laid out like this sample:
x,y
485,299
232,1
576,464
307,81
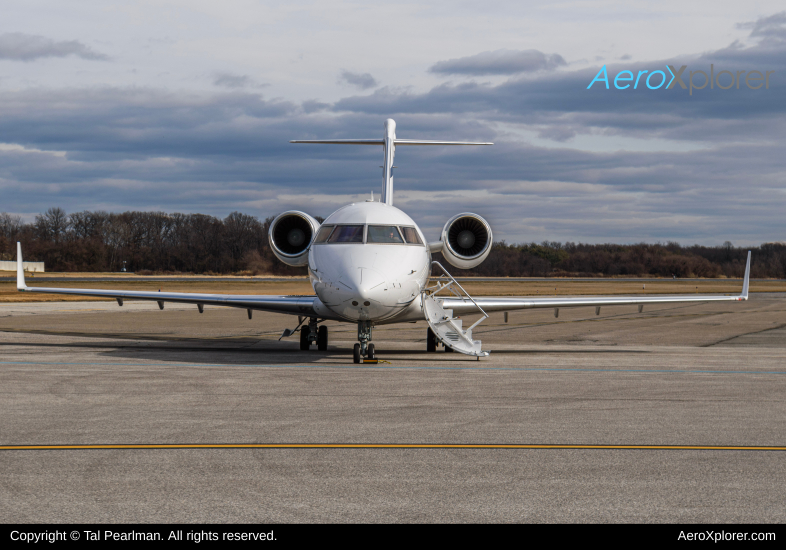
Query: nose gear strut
x,y
365,349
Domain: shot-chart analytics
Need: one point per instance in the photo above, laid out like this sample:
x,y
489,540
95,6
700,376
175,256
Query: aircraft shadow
x,y
249,351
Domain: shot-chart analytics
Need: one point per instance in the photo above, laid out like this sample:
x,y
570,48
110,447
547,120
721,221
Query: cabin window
x,y
384,234
347,234
323,233
411,235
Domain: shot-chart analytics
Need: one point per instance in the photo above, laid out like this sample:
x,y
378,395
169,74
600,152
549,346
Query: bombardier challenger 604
x,y
370,264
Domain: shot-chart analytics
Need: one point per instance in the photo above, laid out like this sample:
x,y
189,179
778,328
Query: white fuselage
x,y
365,277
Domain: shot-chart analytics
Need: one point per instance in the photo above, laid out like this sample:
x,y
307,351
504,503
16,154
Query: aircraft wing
x,y
492,304
294,305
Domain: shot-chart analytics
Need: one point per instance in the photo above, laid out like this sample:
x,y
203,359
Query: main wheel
x,y
371,352
322,338
304,343
431,340
356,353
448,349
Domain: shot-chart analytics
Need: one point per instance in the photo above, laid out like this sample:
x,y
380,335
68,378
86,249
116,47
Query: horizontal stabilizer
x,y
433,142
342,141
389,143
382,142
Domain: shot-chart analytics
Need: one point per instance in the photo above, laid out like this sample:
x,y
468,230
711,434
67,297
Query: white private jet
x,y
370,264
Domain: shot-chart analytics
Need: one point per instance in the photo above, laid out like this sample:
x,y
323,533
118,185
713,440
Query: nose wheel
x,y
365,348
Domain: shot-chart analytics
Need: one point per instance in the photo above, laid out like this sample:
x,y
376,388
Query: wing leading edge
x,y
294,305
491,304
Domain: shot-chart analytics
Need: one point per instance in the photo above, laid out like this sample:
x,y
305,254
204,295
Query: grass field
x,y
501,287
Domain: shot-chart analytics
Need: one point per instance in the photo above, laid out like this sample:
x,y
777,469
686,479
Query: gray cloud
x,y
144,148
499,62
27,47
228,80
558,104
363,81
770,29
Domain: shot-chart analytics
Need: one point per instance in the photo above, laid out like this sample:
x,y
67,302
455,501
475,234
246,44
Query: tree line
x,y
158,242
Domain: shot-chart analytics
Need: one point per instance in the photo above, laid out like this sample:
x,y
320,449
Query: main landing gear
x,y
312,333
431,342
365,348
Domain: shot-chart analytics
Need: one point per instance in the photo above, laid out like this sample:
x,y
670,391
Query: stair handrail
x,y
467,294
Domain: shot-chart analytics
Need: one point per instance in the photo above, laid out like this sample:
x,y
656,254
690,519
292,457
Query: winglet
x,y
20,271
746,280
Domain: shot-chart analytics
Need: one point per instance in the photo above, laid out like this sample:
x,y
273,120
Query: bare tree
x,y
52,225
10,225
86,225
242,233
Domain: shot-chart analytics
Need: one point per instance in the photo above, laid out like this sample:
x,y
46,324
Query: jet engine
x,y
290,236
466,240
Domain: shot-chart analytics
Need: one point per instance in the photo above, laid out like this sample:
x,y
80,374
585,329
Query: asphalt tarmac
x,y
707,375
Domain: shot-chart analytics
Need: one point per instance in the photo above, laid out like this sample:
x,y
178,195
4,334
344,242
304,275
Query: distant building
x,y
30,267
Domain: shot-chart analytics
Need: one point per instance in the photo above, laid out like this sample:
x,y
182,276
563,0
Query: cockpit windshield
x,y
410,235
383,234
347,234
375,234
324,233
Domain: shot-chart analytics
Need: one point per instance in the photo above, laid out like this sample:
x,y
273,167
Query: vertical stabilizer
x,y
390,153
20,270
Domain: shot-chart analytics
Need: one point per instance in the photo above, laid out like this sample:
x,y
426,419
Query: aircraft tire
x,y
304,343
322,338
356,353
371,353
431,340
448,349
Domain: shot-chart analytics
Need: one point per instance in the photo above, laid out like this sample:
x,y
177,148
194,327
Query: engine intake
x,y
290,237
466,240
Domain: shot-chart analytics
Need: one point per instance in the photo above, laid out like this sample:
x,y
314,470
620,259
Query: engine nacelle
x,y
290,237
466,240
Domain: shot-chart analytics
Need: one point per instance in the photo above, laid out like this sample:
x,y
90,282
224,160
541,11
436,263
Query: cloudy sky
x,y
188,105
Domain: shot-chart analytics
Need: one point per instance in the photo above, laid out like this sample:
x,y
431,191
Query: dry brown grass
x,y
566,287
559,287
8,292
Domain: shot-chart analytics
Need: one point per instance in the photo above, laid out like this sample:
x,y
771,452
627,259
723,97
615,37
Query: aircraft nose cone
x,y
371,284
367,285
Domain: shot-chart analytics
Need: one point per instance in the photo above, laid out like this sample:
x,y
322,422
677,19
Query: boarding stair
x,y
448,329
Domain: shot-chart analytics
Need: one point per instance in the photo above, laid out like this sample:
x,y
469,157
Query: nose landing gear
x,y
364,348
316,334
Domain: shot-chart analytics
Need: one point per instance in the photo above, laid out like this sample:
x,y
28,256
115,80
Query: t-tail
x,y
388,143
